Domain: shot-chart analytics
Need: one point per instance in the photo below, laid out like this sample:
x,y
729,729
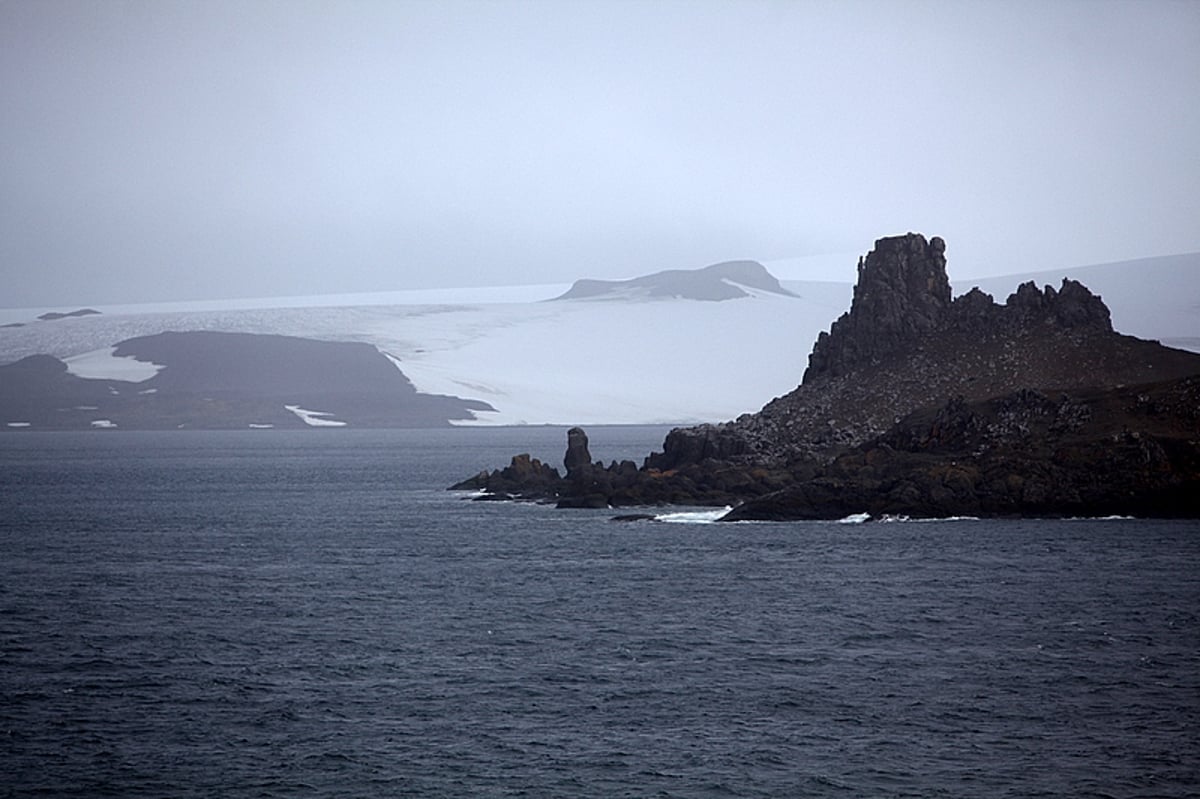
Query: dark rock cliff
x,y
905,347
902,292
1126,451
876,365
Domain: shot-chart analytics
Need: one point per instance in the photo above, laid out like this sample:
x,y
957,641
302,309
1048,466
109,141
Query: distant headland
x,y
917,404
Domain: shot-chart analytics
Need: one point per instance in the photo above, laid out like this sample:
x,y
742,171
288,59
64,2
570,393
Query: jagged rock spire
x,y
902,291
903,294
1072,305
577,459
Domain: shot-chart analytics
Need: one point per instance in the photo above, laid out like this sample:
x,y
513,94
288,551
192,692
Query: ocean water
x,y
268,614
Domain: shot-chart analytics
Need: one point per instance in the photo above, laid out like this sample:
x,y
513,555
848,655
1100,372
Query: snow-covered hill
x,y
612,361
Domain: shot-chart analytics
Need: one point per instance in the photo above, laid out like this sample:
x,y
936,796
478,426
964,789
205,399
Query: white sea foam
x,y
314,418
900,518
104,424
950,519
693,516
18,424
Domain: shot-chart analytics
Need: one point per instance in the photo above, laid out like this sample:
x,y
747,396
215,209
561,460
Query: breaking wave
x,y
706,516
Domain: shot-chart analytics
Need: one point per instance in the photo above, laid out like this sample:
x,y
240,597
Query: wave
x,y
892,518
693,516
928,519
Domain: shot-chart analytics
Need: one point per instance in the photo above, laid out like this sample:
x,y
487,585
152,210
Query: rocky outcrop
x,y
578,459
688,445
524,478
1070,307
1131,451
902,292
902,297
832,445
590,484
875,365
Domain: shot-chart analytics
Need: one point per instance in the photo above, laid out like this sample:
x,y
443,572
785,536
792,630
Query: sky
x,y
163,150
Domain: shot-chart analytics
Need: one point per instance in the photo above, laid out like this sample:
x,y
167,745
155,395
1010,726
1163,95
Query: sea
x,y
312,614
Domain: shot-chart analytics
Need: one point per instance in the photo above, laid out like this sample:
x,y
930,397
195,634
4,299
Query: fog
x,y
158,151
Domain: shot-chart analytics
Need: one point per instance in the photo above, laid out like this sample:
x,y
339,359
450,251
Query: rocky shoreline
x,y
916,404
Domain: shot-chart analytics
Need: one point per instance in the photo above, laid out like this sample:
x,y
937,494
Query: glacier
x,y
633,360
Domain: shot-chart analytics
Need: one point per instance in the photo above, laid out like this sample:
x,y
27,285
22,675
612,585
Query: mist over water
x,y
277,614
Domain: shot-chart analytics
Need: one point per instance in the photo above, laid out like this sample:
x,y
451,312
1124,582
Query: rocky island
x,y
918,404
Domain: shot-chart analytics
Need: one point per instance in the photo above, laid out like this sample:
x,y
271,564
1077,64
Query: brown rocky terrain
x,y
219,380
904,348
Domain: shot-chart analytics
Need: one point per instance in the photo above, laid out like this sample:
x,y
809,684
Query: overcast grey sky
x,y
165,150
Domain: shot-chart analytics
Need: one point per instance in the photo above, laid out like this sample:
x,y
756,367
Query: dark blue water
x,y
309,614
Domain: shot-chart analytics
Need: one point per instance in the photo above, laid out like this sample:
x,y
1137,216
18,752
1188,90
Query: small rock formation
x,y
524,478
623,484
914,403
1071,306
697,444
578,459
